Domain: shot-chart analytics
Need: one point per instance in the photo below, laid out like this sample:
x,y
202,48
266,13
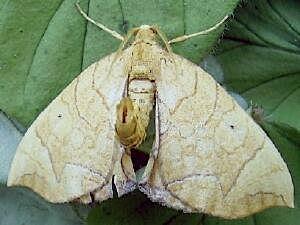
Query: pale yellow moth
x,y
208,156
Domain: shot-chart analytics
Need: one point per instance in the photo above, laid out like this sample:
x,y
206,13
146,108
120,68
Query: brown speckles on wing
x,y
213,157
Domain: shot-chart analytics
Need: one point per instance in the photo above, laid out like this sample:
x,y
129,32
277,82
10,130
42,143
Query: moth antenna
x,y
100,25
185,37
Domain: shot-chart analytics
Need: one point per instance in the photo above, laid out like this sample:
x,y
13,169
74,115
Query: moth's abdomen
x,y
141,92
133,112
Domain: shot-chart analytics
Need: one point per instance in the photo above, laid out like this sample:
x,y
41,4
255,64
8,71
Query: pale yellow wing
x,y
71,150
212,157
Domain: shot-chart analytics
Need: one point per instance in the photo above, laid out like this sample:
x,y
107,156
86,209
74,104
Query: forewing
x,y
212,158
70,150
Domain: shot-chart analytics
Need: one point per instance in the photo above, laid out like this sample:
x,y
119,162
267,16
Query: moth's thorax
x,y
144,62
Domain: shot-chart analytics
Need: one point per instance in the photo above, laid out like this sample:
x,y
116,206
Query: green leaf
x,y
44,45
260,56
38,54
136,209
217,221
21,206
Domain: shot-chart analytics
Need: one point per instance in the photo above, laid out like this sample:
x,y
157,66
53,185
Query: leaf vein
x,y
35,50
283,100
84,36
282,18
251,31
268,80
184,16
123,17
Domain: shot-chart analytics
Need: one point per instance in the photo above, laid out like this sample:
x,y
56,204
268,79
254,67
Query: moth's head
x,y
145,33
148,34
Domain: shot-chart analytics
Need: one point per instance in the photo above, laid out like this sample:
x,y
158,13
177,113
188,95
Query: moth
x,y
208,155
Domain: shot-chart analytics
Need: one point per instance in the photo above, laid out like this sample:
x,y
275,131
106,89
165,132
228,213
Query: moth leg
x,y
156,143
100,25
125,90
185,37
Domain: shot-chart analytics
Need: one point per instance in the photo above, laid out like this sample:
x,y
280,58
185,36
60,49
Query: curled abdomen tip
x,y
129,128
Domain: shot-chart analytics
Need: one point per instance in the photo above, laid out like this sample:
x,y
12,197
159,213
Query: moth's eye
x,y
59,115
231,126
153,30
135,32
